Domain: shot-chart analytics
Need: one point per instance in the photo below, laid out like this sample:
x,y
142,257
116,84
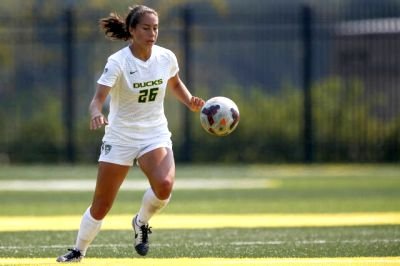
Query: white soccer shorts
x,y
126,155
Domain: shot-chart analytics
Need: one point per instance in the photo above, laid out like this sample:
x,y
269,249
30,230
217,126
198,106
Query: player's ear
x,y
131,31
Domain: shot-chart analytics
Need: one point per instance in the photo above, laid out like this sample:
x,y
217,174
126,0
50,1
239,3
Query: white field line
x,y
237,243
131,185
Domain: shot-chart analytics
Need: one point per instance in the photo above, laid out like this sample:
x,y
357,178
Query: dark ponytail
x,y
114,27
117,28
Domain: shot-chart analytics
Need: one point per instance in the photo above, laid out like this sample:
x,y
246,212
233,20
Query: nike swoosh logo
x,y
133,72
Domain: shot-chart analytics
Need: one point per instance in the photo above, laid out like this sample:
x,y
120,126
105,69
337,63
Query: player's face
x,y
146,32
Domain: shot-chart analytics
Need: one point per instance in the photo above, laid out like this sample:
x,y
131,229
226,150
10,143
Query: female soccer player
x,y
136,77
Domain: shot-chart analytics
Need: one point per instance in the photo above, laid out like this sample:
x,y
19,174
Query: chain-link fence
x,y
313,83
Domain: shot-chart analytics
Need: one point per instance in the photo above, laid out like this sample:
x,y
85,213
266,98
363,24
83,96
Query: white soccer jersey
x,y
137,95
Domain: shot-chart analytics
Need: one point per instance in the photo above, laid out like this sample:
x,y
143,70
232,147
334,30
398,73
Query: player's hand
x,y
196,103
97,122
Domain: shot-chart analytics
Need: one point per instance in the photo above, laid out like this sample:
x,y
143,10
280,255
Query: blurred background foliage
x,y
250,51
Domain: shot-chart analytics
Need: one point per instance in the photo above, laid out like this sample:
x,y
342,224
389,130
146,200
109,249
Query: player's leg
x,y
109,179
159,167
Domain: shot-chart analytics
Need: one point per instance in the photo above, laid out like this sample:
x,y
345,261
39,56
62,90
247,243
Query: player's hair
x,y
117,28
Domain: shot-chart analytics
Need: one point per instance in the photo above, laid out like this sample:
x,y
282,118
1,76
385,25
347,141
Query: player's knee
x,y
164,188
100,210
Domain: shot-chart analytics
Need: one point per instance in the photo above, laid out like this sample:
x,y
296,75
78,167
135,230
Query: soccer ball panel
x,y
219,116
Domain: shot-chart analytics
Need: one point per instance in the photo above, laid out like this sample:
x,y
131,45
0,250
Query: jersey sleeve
x,y
174,65
111,72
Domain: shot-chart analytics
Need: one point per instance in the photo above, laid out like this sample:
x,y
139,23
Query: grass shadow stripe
x,y
209,243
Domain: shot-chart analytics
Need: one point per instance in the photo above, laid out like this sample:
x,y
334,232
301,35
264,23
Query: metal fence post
x,y
307,39
69,96
187,50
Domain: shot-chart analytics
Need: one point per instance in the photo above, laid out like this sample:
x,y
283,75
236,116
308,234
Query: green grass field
x,y
277,215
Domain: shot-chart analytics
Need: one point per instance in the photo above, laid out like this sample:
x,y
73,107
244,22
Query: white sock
x,y
150,206
87,231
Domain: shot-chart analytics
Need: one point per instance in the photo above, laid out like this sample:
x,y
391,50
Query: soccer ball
x,y
219,116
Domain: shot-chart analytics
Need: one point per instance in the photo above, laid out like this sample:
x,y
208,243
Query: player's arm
x,y
97,119
181,92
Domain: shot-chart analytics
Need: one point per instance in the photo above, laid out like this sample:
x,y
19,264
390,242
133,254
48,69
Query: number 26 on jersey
x,y
147,95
